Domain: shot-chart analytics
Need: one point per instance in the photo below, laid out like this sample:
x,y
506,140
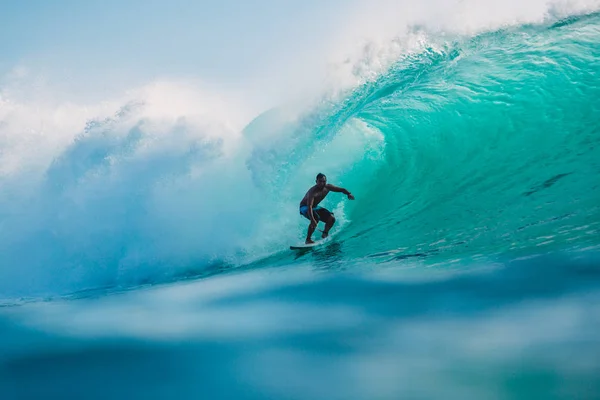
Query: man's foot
x,y
309,241
324,235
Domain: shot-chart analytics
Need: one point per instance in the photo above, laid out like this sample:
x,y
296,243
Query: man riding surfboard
x,y
309,206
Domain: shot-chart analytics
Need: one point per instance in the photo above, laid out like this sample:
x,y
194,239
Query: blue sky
x,y
129,42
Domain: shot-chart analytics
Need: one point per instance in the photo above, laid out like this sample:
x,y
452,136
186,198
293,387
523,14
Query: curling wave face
x,y
462,150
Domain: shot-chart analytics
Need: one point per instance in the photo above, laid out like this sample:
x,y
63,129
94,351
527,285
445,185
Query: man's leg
x,y
311,229
328,224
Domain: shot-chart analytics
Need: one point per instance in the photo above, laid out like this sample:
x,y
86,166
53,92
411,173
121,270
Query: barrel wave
x,y
464,149
144,247
490,144
472,148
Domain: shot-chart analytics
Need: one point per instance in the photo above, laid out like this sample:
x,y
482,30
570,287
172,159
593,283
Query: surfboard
x,y
306,246
303,246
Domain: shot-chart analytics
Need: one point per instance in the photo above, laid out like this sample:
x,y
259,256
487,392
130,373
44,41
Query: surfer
x,y
309,206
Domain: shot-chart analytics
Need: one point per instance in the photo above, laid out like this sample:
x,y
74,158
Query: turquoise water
x,y
467,266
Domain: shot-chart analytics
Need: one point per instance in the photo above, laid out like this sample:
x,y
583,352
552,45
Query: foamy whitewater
x,y
144,239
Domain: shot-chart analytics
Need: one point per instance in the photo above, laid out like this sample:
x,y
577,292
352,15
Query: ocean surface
x,y
145,260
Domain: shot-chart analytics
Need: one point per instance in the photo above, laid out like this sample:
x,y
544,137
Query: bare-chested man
x,y
309,206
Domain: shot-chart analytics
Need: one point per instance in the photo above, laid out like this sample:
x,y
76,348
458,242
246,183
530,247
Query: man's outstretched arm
x,y
334,188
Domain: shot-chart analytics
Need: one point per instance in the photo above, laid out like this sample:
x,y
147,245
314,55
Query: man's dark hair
x,y
320,175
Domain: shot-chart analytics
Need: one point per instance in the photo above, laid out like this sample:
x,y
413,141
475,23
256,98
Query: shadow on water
x,y
544,277
328,257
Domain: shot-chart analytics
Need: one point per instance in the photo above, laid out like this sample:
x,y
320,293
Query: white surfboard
x,y
306,246
302,246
